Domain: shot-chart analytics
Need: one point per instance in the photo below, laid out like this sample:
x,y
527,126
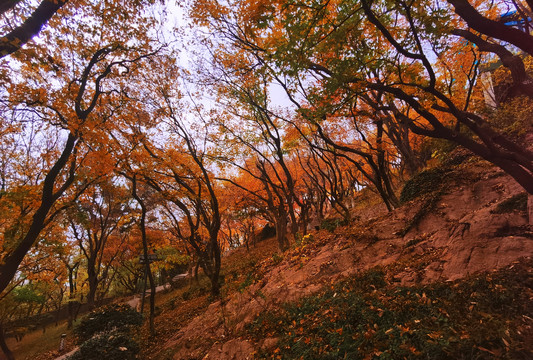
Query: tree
x,y
497,30
260,133
326,175
89,83
72,264
37,288
517,161
179,168
142,226
333,50
97,222
13,39
186,183
246,67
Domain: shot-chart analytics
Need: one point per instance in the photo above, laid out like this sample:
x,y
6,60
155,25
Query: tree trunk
x,y
152,300
58,314
20,35
145,251
491,27
196,268
143,296
93,283
216,256
70,314
281,232
292,214
11,262
215,286
71,294
9,355
304,219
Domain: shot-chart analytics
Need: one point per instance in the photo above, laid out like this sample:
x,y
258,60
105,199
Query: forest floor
x,y
468,222
447,274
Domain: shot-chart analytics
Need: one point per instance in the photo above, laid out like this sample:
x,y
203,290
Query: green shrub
x,y
331,224
277,258
250,279
301,240
116,316
365,317
516,202
107,345
373,278
426,182
513,116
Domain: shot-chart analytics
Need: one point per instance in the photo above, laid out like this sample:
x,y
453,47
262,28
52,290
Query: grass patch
x,y
425,182
196,288
517,202
367,318
36,343
331,224
277,258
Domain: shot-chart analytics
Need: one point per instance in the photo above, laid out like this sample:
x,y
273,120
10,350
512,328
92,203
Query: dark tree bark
x,y
104,213
515,160
8,5
522,82
49,196
379,177
5,349
492,28
53,187
198,202
14,40
148,270
71,292
276,203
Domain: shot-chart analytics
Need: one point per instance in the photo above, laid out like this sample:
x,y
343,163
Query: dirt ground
x,y
460,235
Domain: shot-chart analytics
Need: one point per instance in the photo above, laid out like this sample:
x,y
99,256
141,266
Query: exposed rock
x,y
459,237
269,344
235,349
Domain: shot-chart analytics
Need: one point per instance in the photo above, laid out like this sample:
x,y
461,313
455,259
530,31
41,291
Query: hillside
x,y
466,220
387,145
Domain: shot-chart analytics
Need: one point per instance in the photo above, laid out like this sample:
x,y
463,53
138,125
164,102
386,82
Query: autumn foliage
x,y
114,148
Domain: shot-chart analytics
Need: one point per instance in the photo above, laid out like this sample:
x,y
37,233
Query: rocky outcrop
x,y
461,235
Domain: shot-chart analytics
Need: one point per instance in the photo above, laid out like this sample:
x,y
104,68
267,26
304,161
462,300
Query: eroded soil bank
x,y
466,225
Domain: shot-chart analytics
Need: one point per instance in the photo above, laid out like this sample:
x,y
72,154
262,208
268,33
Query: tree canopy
x,y
121,135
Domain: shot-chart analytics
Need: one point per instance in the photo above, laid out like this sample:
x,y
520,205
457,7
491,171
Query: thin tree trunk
x,y
196,268
9,355
93,283
281,231
216,256
11,262
145,250
144,290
